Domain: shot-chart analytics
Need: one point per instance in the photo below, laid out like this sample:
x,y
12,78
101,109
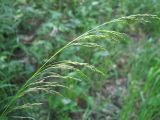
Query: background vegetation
x,y
31,31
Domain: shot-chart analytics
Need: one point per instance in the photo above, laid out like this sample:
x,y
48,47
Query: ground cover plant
x,y
102,74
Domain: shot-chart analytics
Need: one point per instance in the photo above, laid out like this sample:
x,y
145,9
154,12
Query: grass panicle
x,y
44,78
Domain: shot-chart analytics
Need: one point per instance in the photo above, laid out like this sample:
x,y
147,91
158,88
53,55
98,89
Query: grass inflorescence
x,y
43,80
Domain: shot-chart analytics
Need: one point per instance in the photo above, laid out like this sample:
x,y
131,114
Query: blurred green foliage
x,y
31,31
